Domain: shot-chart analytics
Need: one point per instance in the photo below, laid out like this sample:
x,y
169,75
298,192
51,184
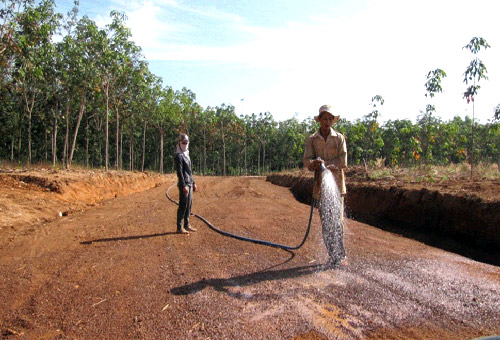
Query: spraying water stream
x,y
331,215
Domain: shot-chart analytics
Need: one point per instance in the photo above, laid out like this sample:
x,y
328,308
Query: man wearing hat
x,y
328,147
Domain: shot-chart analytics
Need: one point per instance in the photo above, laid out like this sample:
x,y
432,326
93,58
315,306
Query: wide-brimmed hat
x,y
327,108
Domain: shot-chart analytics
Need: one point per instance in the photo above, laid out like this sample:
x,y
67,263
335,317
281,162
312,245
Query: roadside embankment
x,y
28,198
468,220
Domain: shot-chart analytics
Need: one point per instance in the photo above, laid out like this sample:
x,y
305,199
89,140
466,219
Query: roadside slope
x,y
465,221
28,198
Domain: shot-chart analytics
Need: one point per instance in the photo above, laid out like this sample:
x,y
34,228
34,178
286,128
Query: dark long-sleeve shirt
x,y
184,172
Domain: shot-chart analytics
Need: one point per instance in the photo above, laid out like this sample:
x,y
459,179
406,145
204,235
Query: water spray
x,y
328,215
331,215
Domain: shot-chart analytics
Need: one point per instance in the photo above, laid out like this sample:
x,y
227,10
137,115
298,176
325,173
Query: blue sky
x,y
290,57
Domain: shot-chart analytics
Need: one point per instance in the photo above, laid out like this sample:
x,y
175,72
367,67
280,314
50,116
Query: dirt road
x,y
117,271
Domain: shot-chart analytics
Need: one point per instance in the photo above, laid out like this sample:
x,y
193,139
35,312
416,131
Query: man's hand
x,y
186,190
315,164
195,188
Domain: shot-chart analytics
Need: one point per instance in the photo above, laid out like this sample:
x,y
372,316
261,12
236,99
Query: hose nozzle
x,y
323,167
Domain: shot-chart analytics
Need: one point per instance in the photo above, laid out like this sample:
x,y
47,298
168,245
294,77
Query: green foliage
x,y
364,137
474,72
433,84
476,69
69,100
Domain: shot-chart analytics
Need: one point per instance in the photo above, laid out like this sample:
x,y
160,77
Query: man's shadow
x,y
223,285
125,238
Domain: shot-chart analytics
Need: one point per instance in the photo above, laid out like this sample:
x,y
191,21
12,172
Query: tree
x,y
225,118
189,108
57,77
428,129
207,128
140,103
10,12
401,144
264,130
426,121
372,140
148,97
433,83
34,34
289,141
474,72
120,59
84,54
166,116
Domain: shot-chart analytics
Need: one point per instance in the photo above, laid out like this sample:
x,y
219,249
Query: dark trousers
x,y
184,209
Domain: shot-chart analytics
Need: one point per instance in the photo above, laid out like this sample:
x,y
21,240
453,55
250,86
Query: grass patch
x,y
437,173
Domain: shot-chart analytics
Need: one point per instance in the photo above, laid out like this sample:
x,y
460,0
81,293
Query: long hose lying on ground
x,y
247,239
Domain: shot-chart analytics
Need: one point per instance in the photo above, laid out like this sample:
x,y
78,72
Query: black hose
x,y
247,239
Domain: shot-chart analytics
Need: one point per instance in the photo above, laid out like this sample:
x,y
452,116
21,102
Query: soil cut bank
x,y
465,212
28,198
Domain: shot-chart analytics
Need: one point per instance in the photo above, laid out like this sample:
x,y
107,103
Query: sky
x,y
289,57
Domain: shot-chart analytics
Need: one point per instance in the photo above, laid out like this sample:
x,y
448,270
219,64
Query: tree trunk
x,y
161,152
29,108
245,151
200,159
120,153
19,132
223,156
264,157
130,158
204,151
66,137
143,145
54,140
270,164
258,161
87,143
217,168
472,141
78,121
106,131
12,142
223,153
19,142
118,158
46,147
131,154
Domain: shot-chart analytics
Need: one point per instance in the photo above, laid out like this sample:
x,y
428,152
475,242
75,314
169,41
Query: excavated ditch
x,y
467,225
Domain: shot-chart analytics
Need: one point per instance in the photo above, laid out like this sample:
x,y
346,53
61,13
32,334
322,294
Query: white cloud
x,y
213,13
148,30
387,48
384,50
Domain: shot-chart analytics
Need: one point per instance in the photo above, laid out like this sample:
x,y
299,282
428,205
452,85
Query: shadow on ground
x,y
125,238
224,285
